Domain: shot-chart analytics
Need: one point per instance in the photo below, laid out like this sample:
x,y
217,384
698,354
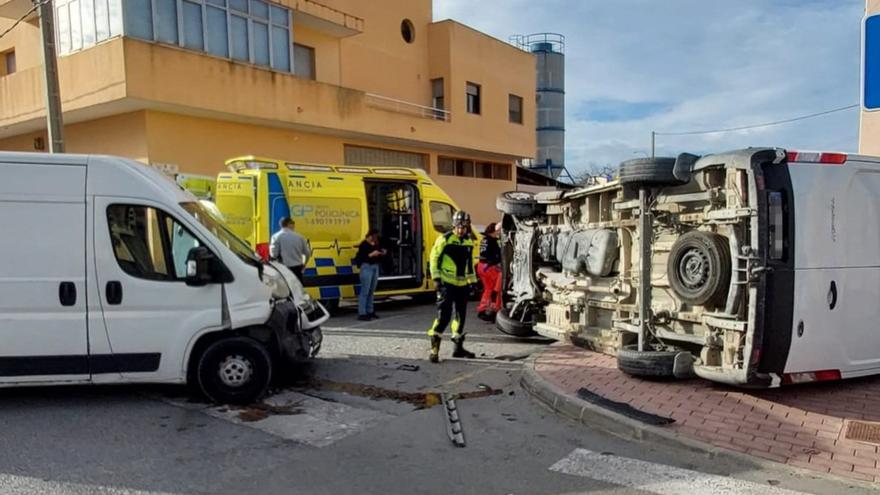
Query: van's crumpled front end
x,y
296,317
575,263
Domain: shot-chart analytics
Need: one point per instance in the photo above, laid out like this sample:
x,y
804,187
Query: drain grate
x,y
861,431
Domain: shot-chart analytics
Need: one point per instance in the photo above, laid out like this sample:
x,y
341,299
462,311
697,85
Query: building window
x,y
446,166
193,27
254,31
82,24
473,98
438,100
407,31
8,63
304,61
515,109
501,171
484,170
464,168
460,167
362,155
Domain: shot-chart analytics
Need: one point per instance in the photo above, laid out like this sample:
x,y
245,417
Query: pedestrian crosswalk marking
x,y
657,478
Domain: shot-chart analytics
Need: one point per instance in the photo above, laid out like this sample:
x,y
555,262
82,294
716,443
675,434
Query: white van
x,y
758,267
111,273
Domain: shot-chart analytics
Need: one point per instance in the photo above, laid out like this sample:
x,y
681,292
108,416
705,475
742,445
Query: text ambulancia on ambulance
x,y
333,207
141,283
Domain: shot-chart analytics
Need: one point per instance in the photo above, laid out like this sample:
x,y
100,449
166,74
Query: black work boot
x,y
435,349
460,351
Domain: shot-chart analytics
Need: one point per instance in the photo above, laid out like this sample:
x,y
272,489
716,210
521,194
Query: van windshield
x,y
230,240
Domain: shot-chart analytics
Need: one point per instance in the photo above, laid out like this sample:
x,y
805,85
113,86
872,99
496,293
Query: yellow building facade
x,y
186,84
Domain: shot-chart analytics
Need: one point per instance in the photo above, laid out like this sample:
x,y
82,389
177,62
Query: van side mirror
x,y
203,267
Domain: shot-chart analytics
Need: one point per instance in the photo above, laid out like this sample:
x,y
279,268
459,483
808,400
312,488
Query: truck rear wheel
x,y
518,203
699,268
645,363
513,326
649,171
235,370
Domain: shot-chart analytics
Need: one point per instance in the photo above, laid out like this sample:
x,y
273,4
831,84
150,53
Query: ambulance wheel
x,y
518,203
234,370
699,268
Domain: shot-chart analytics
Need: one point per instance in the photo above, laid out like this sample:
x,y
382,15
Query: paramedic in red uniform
x,y
489,271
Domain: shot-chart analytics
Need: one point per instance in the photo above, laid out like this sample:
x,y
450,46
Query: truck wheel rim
x,y
235,371
693,269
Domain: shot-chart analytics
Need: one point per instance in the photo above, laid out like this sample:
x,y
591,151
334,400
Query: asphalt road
x,y
362,419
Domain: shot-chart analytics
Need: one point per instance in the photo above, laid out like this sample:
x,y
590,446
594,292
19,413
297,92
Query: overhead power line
x,y
755,126
22,18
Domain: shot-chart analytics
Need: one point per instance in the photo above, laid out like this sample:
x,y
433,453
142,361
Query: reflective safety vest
x,y
452,260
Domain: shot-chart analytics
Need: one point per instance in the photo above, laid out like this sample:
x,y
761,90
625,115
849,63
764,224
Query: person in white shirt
x,y
290,248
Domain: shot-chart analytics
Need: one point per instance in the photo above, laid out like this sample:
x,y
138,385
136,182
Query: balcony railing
x,y
400,106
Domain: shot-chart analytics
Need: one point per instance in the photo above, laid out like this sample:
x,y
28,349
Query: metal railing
x,y
553,42
400,106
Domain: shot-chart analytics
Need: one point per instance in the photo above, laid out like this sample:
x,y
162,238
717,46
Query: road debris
x,y
408,367
453,421
261,411
422,400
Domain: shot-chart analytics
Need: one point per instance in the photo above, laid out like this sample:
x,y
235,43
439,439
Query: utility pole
x,y
653,139
55,124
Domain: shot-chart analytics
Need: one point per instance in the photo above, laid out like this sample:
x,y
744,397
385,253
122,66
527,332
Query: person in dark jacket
x,y
489,271
369,257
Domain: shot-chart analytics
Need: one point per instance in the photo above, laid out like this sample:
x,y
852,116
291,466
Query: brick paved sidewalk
x,y
802,426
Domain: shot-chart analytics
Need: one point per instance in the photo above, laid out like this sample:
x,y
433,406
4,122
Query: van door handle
x,y
67,293
114,292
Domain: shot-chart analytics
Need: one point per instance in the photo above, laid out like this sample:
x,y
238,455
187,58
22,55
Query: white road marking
x,y
25,485
657,478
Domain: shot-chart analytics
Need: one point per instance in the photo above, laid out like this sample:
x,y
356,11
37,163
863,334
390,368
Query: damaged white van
x,y
755,268
111,273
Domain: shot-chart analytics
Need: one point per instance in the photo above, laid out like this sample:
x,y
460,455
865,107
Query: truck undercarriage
x,y
663,266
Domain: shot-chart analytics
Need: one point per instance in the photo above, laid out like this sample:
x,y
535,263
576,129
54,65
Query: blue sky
x,y
633,66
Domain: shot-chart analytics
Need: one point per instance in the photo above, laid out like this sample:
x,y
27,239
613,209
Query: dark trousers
x,y
449,298
298,271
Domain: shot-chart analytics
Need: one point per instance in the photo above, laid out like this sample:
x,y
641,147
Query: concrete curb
x,y
621,426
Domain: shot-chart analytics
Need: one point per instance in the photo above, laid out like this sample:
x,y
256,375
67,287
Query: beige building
x,y
189,83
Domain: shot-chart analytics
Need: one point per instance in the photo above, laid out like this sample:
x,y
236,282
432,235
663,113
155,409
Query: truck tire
x,y
649,171
512,326
234,370
699,268
645,363
518,204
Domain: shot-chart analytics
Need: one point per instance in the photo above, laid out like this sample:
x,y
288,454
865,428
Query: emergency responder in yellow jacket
x,y
452,268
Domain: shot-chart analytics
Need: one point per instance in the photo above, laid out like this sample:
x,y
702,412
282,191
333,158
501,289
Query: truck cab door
x,y
151,315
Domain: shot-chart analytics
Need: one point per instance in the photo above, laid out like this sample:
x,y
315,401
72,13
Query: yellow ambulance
x,y
333,207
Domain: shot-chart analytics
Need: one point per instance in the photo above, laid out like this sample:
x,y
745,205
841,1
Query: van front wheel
x,y
235,370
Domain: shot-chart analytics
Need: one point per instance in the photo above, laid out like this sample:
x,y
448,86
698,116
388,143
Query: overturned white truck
x,y
756,268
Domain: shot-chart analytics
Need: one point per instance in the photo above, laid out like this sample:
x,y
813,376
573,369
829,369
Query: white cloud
x,y
712,64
